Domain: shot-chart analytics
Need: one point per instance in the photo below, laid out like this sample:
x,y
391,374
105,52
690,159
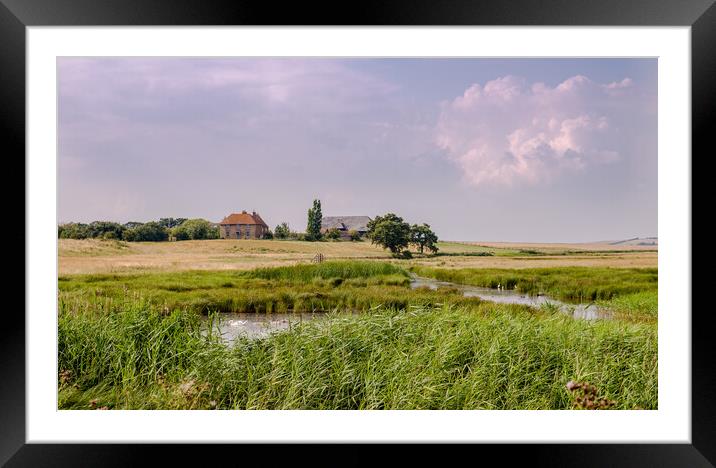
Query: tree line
x,y
389,231
133,231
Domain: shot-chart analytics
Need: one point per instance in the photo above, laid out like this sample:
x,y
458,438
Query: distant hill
x,y
637,241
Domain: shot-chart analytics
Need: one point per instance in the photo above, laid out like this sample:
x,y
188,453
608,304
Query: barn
x,y
345,224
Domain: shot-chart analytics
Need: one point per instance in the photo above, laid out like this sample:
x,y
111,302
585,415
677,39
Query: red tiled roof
x,y
243,218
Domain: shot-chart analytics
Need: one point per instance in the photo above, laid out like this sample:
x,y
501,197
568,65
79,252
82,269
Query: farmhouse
x,y
243,226
345,224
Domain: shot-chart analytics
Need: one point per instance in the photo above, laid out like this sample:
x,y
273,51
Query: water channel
x,y
233,325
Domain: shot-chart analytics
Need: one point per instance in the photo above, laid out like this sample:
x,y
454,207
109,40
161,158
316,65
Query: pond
x,y
233,325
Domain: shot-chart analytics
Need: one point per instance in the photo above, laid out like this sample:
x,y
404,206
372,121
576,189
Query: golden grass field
x,y
108,256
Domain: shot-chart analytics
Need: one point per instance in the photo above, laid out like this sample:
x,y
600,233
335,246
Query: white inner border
x,y
670,423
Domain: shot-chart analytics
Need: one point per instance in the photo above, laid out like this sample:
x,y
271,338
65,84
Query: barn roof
x,y
244,218
348,223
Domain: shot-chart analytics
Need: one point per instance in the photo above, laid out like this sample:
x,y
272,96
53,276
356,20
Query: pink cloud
x,y
508,132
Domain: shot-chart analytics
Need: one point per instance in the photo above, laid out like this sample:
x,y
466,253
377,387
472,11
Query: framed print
x,y
413,223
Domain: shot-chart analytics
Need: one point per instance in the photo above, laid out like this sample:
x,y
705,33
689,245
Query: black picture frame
x,y
16,15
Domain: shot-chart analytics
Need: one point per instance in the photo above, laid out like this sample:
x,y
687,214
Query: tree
x,y
100,228
73,231
389,231
95,229
151,231
313,228
282,231
180,233
354,235
195,229
333,234
171,222
422,237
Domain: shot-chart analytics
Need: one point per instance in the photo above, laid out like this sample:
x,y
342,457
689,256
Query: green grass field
x,y
137,341
356,285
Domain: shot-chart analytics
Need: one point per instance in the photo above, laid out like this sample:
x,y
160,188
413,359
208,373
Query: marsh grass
x,y
579,284
268,299
128,348
463,254
138,341
636,307
486,357
326,270
301,288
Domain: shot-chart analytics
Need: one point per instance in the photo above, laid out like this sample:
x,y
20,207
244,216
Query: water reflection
x,y
234,325
586,311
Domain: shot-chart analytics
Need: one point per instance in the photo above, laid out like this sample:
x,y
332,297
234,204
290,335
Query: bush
x,y
333,234
405,254
96,229
100,228
171,222
354,235
268,235
282,231
180,233
195,229
148,232
179,228
73,231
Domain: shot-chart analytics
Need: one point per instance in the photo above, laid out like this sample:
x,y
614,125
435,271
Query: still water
x,y
233,325
586,311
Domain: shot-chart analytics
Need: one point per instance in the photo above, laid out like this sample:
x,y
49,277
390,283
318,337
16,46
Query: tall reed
x,y
486,357
566,283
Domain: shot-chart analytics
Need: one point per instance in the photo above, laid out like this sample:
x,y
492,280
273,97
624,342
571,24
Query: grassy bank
x,y
641,306
569,283
327,271
355,285
486,356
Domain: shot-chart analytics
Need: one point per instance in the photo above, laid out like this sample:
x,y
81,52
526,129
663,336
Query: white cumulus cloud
x,y
511,132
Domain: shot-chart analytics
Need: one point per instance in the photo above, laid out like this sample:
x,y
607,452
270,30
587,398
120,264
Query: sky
x,y
521,150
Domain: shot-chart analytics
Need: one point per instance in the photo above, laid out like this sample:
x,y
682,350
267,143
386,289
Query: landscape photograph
x,y
354,233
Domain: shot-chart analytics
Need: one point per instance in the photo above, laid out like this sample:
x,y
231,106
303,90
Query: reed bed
x,y
138,341
641,306
580,284
353,285
327,270
484,357
268,299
